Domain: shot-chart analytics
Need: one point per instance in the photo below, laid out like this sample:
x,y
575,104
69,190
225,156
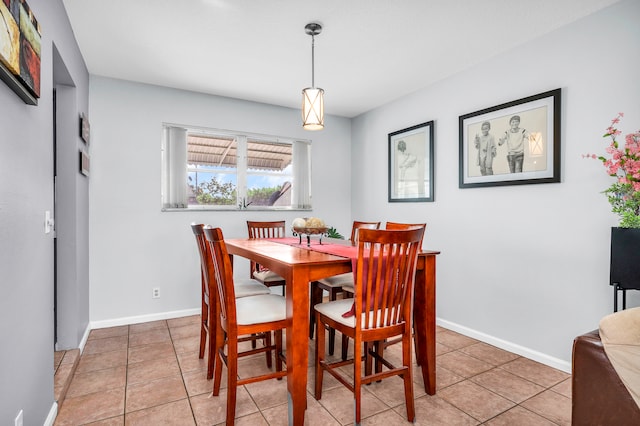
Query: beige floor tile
x,y
475,400
316,415
385,418
391,391
192,320
112,421
519,416
535,372
340,403
435,411
488,353
153,369
147,326
454,340
105,345
563,388
102,333
255,419
149,352
189,344
189,361
462,364
100,361
507,385
156,335
196,382
268,393
149,394
211,410
176,413
552,406
184,331
97,381
90,408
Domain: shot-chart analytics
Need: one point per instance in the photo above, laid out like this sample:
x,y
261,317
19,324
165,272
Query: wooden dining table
x,y
299,266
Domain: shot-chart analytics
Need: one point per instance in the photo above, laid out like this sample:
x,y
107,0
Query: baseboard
x,y
143,318
85,336
53,413
540,357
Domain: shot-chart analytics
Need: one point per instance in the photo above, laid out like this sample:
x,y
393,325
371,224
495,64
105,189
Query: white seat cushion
x,y
249,287
261,308
267,276
338,280
336,308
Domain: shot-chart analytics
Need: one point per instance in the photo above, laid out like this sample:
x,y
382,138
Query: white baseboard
x,y
540,357
85,336
53,413
143,318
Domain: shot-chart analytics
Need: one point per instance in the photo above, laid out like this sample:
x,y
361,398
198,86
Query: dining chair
x,y
334,285
255,315
384,278
243,288
259,230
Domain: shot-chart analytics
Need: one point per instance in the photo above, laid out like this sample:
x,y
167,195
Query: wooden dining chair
x,y
255,315
334,285
385,276
244,288
259,230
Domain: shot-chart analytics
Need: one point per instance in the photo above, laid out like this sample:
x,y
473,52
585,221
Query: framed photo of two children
x,y
515,143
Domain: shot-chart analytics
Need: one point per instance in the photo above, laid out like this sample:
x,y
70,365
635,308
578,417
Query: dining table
x,y
299,265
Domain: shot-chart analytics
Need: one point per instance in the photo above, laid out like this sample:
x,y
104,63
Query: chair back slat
x,y
275,229
385,276
203,251
222,273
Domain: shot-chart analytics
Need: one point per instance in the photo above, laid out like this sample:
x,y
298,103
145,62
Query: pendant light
x,y
312,97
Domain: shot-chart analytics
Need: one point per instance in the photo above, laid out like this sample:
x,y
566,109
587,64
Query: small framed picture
x,y
515,143
411,164
85,129
84,163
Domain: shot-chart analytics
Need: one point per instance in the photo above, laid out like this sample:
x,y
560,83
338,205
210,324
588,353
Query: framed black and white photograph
x,y
515,143
411,164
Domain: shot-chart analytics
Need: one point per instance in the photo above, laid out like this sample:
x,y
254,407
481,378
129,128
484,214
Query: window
x,y
215,169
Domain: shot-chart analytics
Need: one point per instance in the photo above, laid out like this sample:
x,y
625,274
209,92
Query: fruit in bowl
x,y
309,225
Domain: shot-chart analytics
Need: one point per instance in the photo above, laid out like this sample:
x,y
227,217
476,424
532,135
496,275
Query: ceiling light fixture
x,y
312,97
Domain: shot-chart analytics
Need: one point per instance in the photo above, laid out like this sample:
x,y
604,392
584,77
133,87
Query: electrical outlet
x,y
18,421
156,293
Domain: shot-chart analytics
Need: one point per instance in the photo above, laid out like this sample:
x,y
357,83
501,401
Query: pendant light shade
x,y
313,97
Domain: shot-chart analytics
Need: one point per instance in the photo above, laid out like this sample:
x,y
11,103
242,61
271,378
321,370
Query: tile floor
x,y
150,374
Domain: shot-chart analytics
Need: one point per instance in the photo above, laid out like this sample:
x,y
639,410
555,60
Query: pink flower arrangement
x,y
624,165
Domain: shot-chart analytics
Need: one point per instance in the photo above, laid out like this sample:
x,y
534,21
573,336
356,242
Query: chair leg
x,y
203,330
232,380
345,347
407,377
267,342
357,378
278,337
316,297
211,352
319,356
217,372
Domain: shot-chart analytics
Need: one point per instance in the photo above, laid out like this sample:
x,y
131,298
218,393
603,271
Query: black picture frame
x,y
515,143
411,164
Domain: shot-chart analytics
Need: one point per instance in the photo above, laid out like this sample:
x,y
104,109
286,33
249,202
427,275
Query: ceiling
x,y
369,53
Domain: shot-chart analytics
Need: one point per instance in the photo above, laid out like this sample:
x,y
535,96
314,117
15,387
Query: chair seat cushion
x,y
338,280
620,335
335,309
249,287
267,276
261,308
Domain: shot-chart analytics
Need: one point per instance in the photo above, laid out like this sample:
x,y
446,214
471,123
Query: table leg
x,y
297,344
424,313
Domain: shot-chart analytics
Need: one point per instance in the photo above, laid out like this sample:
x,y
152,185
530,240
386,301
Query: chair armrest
x,y
598,395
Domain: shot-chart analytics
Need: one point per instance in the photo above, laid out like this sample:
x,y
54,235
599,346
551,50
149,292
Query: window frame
x,y
301,200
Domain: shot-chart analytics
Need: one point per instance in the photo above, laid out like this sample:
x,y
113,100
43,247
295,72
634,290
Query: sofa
x,y
606,372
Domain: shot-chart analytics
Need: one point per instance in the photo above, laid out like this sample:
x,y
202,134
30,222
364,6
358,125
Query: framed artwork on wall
x,y
20,50
411,164
515,143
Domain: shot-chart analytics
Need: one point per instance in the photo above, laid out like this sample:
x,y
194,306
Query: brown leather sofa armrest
x,y
598,395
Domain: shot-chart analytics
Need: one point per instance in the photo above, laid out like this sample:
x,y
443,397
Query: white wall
x,y
134,246
26,252
524,267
